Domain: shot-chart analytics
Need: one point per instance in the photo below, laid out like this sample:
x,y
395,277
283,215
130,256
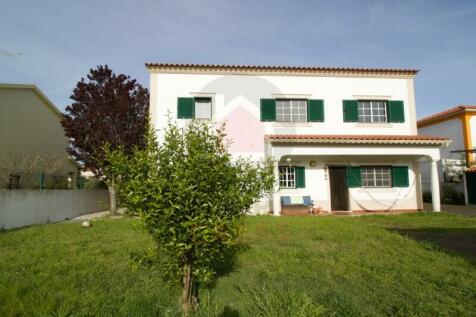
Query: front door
x,y
471,187
339,190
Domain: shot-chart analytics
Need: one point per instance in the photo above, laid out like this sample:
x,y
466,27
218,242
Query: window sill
x,y
377,189
373,125
291,124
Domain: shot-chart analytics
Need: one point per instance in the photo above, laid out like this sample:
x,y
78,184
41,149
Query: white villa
x,y
459,125
344,137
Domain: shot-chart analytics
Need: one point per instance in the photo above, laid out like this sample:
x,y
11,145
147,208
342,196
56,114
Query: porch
x,y
352,174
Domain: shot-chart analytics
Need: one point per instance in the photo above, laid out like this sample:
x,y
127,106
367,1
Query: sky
x,y
53,43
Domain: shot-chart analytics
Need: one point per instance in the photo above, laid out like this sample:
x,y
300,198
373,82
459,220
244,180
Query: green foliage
x,y
190,194
449,195
427,197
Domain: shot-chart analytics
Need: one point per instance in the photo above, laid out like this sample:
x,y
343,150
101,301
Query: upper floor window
x,y
203,108
376,176
194,108
291,110
372,111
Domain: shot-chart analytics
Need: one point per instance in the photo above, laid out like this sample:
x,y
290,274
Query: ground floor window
x,y
287,177
376,176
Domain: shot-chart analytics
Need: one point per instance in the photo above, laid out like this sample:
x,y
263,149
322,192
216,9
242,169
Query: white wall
x,y
318,187
452,129
236,99
19,208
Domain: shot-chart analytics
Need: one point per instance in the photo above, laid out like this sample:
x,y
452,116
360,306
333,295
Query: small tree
x,y
107,109
192,197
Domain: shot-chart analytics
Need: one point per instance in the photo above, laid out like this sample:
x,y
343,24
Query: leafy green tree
x,y
192,197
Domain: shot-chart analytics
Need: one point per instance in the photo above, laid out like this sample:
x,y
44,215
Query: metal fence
x,y
16,179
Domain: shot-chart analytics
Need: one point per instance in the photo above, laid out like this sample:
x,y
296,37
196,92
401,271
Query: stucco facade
x,y
237,93
30,127
236,99
459,125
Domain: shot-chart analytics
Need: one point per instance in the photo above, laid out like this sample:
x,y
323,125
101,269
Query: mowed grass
x,y
297,266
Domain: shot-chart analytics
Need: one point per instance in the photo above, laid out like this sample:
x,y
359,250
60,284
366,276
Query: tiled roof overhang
x,y
279,69
447,114
358,139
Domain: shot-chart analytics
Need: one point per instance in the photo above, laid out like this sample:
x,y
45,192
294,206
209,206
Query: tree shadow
x,y
228,263
454,241
229,312
225,266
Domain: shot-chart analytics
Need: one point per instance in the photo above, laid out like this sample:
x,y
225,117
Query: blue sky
x,y
60,41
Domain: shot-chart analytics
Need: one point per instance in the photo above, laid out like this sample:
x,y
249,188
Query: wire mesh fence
x,y
16,179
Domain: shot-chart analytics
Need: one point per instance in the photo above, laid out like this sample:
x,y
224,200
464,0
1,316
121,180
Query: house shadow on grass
x,y
460,241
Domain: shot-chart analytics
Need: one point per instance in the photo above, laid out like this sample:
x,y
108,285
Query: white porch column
x,y
435,186
276,198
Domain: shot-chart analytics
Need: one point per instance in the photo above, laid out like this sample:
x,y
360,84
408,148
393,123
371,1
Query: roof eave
x,y
276,70
438,117
444,142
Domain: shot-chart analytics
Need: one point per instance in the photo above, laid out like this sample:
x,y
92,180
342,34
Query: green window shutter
x,y
185,108
315,110
268,109
400,176
300,177
351,110
395,111
353,176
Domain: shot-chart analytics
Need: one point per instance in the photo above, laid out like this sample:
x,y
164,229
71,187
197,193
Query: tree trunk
x,y
188,296
112,198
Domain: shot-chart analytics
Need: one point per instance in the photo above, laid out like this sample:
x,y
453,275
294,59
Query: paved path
x,y
100,214
456,209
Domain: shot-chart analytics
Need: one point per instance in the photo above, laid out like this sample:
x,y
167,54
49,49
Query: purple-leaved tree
x,y
107,109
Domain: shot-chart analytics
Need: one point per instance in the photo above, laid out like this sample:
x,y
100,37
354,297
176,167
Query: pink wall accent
x,y
244,131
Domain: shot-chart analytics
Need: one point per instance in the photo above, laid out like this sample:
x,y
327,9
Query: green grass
x,y
406,265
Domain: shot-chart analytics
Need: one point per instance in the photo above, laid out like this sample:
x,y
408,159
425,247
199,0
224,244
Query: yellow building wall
x,y
30,125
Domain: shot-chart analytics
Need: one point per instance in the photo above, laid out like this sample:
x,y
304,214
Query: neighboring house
x,y
346,137
32,140
459,125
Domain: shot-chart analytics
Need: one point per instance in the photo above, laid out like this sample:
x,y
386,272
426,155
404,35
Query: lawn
x,y
406,265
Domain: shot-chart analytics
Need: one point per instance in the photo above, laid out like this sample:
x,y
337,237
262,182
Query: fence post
x,y
42,181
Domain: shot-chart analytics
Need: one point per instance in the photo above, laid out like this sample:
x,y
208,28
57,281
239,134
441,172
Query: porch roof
x,y
358,139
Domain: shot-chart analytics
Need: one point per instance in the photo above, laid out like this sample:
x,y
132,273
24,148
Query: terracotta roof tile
x,y
299,69
375,139
446,114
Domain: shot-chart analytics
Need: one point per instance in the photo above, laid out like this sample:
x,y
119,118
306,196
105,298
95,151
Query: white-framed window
x,y
376,176
203,108
372,111
291,110
287,177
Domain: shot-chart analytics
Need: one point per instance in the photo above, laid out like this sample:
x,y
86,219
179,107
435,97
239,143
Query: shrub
x,y
191,196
